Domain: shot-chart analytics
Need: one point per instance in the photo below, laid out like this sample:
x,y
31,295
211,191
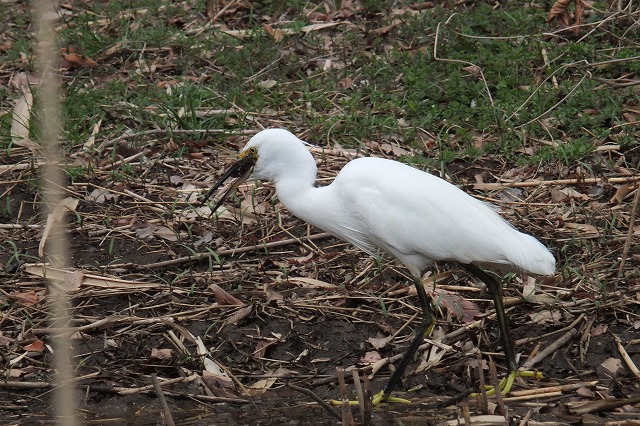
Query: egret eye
x,y
251,152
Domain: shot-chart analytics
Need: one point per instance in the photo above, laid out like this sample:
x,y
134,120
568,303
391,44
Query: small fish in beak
x,y
241,169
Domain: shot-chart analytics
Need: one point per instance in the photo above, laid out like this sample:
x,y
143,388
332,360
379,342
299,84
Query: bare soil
x,y
308,307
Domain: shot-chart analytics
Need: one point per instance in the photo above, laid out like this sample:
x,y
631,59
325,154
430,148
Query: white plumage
x,y
415,216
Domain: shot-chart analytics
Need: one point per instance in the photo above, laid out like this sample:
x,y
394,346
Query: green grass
x,y
396,85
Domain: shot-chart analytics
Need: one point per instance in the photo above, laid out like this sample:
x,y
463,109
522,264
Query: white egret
x,y
420,219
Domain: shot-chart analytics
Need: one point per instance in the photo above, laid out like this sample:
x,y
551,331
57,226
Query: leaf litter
x,y
268,304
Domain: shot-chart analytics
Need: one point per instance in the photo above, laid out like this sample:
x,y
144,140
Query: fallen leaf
x,y
346,82
220,385
387,28
370,357
63,275
27,298
273,295
161,355
572,193
239,315
462,308
74,280
275,33
267,84
91,140
622,193
379,342
79,61
5,341
35,346
14,373
261,385
21,118
583,227
585,392
317,27
546,317
610,367
529,288
224,298
152,230
560,10
68,204
306,282
99,195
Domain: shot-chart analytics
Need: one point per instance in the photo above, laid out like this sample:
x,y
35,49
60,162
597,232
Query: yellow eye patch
x,y
253,152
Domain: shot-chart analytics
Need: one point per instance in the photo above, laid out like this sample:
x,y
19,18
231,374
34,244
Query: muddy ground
x,y
306,308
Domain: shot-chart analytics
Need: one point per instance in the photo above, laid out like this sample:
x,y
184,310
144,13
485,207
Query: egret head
x,y
269,155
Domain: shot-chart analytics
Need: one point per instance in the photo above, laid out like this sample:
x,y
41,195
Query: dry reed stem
x,y
64,394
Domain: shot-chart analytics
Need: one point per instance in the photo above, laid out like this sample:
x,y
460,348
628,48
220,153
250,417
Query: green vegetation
x,y
354,82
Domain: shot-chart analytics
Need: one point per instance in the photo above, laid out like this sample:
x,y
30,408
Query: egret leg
x,y
495,289
425,328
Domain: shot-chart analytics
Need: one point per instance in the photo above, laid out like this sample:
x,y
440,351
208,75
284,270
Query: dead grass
x,y
239,318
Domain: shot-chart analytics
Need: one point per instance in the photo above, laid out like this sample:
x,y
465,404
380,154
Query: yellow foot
x,y
377,399
380,397
506,383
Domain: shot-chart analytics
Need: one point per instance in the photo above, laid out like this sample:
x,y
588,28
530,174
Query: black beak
x,y
240,169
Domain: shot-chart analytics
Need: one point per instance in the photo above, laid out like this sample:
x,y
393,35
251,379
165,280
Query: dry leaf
x,y
74,280
622,193
610,367
220,385
387,28
92,137
224,298
462,308
35,346
5,341
583,227
585,392
529,288
62,275
306,282
152,230
261,386
99,195
77,60
370,357
598,330
273,295
239,315
379,342
560,9
317,27
21,118
346,82
275,33
267,84
162,355
27,298
546,317
68,204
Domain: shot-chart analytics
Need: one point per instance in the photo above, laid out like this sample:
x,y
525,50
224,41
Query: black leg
x,y
495,289
424,330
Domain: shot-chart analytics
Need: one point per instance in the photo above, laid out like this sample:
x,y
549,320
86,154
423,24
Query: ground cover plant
x,y
243,318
